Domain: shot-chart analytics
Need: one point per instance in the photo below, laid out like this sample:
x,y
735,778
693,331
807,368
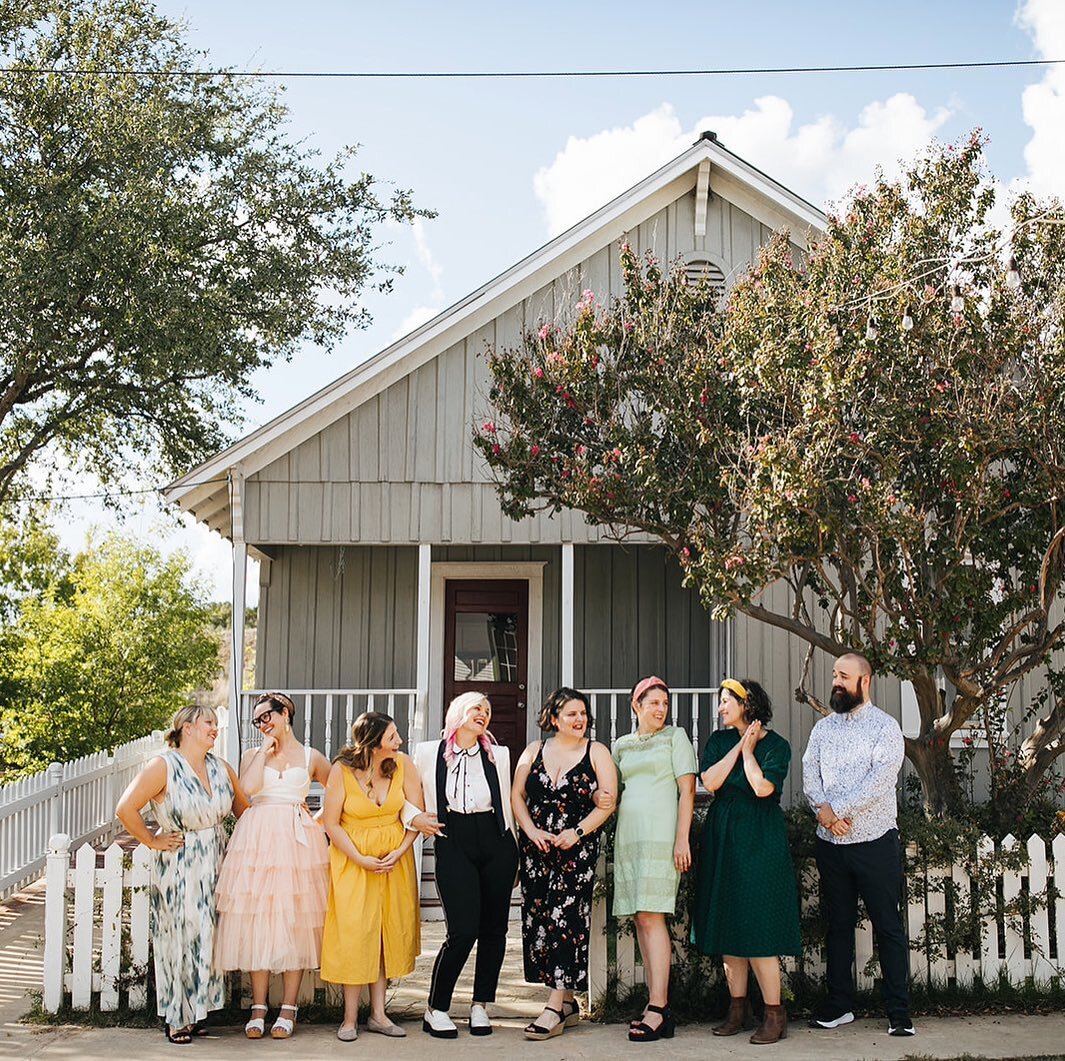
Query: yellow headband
x,y
735,687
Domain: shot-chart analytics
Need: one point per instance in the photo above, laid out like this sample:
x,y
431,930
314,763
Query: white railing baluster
x,y
329,725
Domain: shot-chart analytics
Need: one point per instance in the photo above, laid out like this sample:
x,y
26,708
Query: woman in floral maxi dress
x,y
556,783
192,793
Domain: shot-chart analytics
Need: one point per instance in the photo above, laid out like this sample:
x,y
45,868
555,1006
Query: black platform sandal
x,y
573,1017
644,1033
539,1032
181,1037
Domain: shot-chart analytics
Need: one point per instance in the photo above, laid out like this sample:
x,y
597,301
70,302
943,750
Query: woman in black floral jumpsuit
x,y
565,787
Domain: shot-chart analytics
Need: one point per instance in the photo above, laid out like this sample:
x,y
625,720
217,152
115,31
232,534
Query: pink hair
x,y
457,711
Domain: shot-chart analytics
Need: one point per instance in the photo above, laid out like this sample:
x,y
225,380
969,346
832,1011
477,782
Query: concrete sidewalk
x,y
21,932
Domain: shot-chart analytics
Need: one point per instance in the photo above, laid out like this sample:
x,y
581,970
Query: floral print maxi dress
x,y
556,886
182,895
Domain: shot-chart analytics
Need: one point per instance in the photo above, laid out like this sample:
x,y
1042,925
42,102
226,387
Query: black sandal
x,y
573,1018
539,1032
181,1037
644,1033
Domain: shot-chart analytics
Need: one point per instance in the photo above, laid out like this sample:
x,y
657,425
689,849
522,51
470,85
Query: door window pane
x,y
486,647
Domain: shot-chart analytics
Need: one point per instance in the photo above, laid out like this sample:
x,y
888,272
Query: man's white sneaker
x,y
439,1025
831,1020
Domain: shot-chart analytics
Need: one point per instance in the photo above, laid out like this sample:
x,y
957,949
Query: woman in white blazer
x,y
466,781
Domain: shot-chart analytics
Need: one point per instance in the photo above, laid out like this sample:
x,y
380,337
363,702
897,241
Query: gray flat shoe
x,y
393,1031
348,1035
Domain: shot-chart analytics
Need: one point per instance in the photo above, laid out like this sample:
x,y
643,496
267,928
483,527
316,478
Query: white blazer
x,y
424,757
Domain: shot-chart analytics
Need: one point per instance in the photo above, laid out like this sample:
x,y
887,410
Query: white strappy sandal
x,y
284,1026
256,1027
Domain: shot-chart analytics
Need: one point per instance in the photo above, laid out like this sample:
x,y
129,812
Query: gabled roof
x,y
205,490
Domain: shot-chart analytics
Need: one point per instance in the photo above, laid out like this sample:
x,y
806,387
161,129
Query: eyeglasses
x,y
259,720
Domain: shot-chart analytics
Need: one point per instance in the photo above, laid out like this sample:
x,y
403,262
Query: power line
x,y
104,494
527,74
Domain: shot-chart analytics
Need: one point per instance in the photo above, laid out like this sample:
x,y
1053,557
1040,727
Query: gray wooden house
x,y
389,577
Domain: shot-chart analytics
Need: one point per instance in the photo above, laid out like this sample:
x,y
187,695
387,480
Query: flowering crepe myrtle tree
x,y
878,422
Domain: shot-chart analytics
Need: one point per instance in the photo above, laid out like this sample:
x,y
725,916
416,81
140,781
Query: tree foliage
x,y
106,653
161,238
879,423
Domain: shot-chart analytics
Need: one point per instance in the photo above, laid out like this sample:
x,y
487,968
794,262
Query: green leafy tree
x,y
103,656
878,423
160,239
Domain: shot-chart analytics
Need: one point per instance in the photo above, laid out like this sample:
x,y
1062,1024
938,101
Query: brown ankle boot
x,y
738,1017
774,1025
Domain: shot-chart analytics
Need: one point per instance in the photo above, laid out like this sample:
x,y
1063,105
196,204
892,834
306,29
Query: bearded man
x,y
850,769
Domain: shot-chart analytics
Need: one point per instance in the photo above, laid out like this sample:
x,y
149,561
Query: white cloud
x,y
420,314
820,160
1043,104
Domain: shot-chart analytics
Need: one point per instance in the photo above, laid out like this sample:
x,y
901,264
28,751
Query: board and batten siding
x,y
401,468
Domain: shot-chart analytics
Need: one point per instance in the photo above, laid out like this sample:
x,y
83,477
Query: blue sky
x,y
507,164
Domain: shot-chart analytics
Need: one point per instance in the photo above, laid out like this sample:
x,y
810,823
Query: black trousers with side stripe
x,y
475,872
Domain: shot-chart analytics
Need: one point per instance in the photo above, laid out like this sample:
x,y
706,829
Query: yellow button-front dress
x,y
370,914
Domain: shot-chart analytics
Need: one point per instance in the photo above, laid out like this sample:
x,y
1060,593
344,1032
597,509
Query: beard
x,y
843,700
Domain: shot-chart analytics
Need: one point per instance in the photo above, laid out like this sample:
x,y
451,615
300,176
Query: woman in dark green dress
x,y
746,902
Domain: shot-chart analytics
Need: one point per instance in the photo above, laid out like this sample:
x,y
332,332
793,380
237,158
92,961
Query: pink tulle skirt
x,y
272,891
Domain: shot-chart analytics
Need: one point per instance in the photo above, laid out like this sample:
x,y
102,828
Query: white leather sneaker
x,y
480,1024
439,1025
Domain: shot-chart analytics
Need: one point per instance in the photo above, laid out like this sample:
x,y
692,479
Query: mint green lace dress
x,y
645,878
182,896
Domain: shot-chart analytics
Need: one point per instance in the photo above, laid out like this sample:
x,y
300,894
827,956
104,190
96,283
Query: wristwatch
x,y
578,830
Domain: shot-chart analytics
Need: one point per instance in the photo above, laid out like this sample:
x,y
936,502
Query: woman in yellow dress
x,y
372,930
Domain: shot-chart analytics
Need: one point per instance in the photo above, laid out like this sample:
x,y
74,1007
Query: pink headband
x,y
648,683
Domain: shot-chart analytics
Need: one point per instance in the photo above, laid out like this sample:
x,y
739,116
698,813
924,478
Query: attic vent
x,y
703,269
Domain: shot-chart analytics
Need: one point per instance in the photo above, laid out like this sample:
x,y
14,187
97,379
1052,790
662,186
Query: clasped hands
x,y
828,819
543,840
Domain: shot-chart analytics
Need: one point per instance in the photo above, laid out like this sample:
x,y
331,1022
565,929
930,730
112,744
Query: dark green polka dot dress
x,y
746,902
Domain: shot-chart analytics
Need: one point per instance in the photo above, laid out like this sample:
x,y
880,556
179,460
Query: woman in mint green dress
x,y
656,766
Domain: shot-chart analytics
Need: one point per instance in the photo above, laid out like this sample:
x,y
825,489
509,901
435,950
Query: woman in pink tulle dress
x,y
274,881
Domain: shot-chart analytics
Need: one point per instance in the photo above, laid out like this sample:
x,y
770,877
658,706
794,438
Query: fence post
x,y
55,803
55,920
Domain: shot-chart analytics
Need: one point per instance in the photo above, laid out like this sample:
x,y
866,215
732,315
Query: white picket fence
x,y
76,798
97,937
1021,947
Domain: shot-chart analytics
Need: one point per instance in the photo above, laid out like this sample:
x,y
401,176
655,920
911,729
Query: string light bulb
x,y
870,329
907,320
1013,275
957,303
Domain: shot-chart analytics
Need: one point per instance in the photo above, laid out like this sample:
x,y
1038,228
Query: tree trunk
x,y
940,788
1041,748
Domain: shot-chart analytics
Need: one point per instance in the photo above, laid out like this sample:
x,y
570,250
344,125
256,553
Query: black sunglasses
x,y
258,720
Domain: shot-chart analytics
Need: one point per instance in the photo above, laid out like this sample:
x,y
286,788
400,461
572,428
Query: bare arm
x,y
714,776
332,807
682,852
240,799
541,839
251,766
606,779
149,784
755,778
320,766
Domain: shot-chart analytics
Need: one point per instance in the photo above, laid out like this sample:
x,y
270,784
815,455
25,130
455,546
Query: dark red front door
x,y
486,638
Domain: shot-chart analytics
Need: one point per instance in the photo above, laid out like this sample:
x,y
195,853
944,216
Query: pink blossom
x,y
545,331
866,484
628,326
732,562
854,436
495,449
489,427
686,553
535,451
582,450
538,372
852,498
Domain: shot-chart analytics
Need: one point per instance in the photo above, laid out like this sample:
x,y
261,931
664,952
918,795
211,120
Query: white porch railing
x,y
693,709
77,798
325,715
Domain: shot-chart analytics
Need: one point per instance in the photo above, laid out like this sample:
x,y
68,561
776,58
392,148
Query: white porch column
x,y
568,622
417,727
236,624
